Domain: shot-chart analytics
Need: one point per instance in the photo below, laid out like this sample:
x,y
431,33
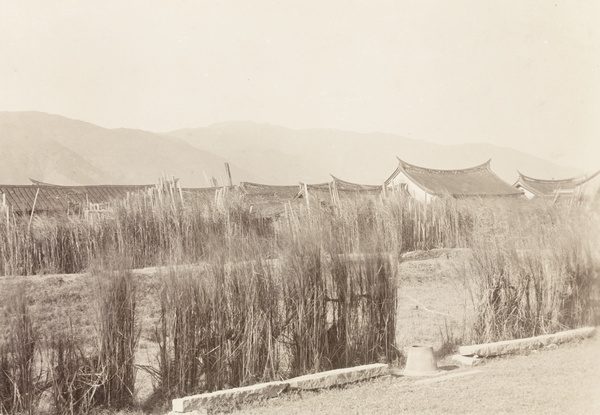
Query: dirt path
x,y
564,380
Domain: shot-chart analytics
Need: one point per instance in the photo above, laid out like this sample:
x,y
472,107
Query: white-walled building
x,y
425,184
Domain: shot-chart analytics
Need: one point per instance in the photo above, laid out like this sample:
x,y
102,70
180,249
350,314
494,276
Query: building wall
x,y
415,191
527,193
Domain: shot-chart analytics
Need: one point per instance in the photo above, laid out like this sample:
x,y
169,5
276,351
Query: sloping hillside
x,y
280,155
56,149
59,150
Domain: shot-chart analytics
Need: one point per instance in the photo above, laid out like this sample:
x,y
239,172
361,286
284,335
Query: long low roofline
x,y
81,186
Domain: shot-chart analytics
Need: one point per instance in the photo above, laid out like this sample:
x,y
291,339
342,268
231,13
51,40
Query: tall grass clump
x,y
306,312
230,322
578,257
253,298
155,227
363,310
218,328
394,224
183,308
361,282
21,377
535,270
340,290
118,333
73,376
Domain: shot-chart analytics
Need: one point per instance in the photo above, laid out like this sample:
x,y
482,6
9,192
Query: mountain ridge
x,y
56,149
84,153
367,158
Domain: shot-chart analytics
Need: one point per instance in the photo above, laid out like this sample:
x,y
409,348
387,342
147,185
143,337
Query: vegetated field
x,y
431,305
231,298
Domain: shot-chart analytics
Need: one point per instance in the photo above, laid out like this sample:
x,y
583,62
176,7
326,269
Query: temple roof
x,y
277,191
474,181
543,187
59,198
52,198
343,185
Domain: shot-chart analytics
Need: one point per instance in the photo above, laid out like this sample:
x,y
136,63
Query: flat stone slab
x,y
338,377
513,346
199,403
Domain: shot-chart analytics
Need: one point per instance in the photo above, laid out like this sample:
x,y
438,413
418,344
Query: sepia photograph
x,y
299,207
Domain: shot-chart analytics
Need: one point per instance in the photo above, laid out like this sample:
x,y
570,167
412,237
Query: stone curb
x,y
512,346
201,402
198,404
338,377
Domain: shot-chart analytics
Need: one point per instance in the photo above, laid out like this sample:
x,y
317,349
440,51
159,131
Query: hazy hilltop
x,y
281,155
60,150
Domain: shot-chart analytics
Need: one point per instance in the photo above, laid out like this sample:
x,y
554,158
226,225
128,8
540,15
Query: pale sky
x,y
516,73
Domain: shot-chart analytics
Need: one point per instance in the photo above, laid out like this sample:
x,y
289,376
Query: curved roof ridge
x,y
570,179
482,166
588,178
336,179
40,183
395,173
478,180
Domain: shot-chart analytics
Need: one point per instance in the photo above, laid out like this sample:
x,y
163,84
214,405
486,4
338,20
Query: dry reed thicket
x,y
20,379
534,270
76,374
244,316
249,299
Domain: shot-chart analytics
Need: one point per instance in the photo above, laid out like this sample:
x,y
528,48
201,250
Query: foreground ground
x,y
432,305
564,380
434,308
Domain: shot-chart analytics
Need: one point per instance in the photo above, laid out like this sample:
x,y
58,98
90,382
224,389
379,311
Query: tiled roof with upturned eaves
x,y
51,198
474,181
344,186
543,187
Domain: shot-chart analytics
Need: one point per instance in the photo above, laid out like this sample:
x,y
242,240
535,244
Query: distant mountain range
x,y
279,155
60,150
